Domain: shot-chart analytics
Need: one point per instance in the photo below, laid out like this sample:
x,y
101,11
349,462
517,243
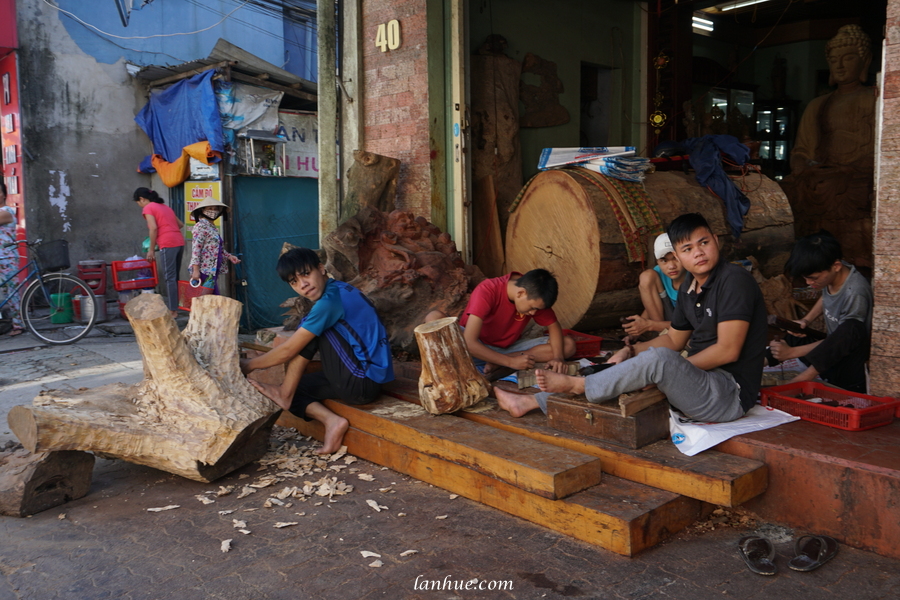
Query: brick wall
x,y
395,98
885,362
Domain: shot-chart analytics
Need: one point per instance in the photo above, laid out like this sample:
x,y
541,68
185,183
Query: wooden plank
x,y
543,469
619,515
710,476
574,414
635,402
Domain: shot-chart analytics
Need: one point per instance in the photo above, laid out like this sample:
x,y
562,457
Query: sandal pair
x,y
810,553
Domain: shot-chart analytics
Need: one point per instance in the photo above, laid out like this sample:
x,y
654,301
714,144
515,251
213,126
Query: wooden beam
x,y
274,86
539,468
191,73
709,476
619,515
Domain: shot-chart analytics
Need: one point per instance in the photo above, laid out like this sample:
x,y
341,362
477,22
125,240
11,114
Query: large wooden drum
x,y
566,225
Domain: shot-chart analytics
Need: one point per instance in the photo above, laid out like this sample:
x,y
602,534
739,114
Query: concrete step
x,y
845,484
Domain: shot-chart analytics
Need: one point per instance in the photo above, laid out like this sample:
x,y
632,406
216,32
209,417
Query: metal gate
x,y
269,212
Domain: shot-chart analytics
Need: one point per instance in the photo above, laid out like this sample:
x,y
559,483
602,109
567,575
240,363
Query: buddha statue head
x,y
849,55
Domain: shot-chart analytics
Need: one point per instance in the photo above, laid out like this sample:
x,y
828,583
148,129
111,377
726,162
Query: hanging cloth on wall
x,y
183,114
705,156
177,172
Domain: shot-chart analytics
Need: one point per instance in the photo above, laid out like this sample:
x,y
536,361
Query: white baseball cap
x,y
662,246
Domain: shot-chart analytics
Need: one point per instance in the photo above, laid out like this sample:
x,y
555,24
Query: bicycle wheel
x,y
47,308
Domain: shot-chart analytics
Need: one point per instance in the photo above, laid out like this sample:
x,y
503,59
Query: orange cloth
x,y
174,173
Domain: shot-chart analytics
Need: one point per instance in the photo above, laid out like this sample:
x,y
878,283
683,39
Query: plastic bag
x,y
692,437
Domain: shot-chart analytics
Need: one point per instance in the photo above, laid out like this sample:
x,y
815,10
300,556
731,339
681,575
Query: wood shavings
x,y
226,545
454,496
244,531
409,552
384,490
318,504
224,490
246,492
337,455
349,460
204,499
442,517
273,502
376,506
226,512
162,508
367,554
286,492
250,509
303,514
238,524
264,482
401,514
286,524
376,564
62,516
365,477
243,476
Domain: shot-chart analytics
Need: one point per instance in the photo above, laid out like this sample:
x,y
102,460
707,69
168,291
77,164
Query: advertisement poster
x,y
301,130
196,192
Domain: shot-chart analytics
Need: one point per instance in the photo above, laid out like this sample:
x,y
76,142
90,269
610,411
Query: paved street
x,y
108,545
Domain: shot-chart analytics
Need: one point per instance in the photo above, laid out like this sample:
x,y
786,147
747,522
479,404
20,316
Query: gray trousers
x,y
712,396
170,261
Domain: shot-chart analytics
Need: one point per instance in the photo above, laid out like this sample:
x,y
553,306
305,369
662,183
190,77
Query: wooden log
x,y
486,233
566,225
194,414
539,468
449,379
710,476
618,515
31,483
371,182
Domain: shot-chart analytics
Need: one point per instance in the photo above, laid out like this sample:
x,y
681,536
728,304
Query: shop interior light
x,y
726,6
701,23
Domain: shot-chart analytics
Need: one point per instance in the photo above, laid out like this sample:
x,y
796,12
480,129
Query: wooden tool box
x,y
632,420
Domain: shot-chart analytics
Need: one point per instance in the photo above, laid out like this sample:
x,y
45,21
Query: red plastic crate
x,y
867,412
123,266
586,346
186,294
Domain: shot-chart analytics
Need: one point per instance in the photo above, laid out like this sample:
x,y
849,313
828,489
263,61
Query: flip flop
x,y
758,553
812,551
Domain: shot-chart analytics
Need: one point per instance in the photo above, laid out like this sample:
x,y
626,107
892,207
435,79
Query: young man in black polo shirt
x,y
720,311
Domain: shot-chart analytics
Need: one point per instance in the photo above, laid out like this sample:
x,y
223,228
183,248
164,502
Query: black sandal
x,y
758,553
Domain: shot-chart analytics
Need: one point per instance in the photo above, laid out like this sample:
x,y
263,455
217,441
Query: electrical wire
x,y
143,37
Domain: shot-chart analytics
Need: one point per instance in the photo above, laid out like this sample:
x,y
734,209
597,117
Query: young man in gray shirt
x,y
846,301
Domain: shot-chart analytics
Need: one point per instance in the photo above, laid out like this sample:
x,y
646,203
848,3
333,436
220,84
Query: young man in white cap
x,y
659,290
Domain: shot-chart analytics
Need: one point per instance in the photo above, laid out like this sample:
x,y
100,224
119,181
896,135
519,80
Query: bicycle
x,y
47,300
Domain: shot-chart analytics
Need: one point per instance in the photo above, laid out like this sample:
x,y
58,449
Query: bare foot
x,y
557,383
273,393
513,403
334,435
488,368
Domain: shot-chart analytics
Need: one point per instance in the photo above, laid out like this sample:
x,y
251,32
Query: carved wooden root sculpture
x,y
449,379
194,414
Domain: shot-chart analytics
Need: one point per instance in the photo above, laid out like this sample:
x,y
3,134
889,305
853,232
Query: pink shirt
x,y
168,234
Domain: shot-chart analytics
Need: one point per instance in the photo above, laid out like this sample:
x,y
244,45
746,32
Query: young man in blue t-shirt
x,y
659,291
344,328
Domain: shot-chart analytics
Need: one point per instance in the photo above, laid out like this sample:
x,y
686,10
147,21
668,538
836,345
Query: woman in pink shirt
x,y
165,231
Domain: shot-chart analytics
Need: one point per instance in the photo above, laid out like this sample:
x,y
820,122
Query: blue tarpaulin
x,y
183,114
706,161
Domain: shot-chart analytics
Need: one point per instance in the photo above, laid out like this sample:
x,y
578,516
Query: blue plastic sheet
x,y
183,114
707,163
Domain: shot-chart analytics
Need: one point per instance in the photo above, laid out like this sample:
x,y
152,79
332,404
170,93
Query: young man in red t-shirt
x,y
498,312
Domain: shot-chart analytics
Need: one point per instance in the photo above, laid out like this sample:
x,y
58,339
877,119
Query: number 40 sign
x,y
387,37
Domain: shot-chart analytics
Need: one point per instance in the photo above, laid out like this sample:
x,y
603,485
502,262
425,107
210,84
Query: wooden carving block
x,y
635,402
449,379
194,414
31,483
575,414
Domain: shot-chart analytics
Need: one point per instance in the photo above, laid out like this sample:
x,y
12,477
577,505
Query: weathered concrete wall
x,y
885,372
396,98
81,143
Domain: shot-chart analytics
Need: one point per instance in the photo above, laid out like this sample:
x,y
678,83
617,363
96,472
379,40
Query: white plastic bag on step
x,y
691,437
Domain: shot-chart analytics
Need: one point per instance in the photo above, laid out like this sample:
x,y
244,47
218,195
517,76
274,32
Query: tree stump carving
x,y
449,379
194,414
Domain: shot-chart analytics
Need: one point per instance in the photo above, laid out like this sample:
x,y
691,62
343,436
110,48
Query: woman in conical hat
x,y
208,256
